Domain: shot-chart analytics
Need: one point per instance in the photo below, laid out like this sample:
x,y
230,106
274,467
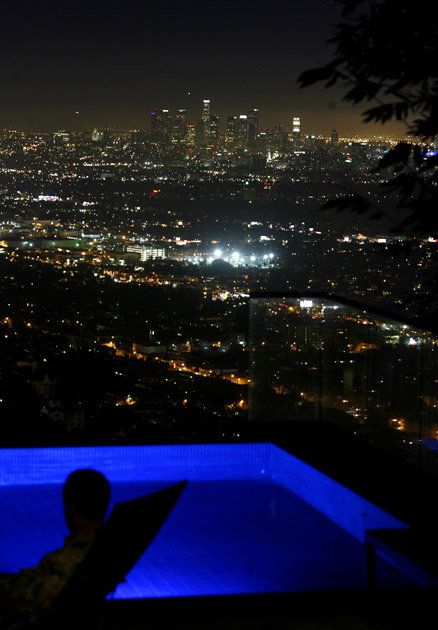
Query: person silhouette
x,y
25,596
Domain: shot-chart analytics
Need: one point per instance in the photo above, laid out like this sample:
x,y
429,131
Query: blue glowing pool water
x,y
252,518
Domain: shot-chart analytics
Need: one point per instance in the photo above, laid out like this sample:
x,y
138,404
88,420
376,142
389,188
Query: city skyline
x,y
343,120
188,117
75,66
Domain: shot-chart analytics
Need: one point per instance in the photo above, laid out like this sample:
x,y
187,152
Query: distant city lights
x,y
234,258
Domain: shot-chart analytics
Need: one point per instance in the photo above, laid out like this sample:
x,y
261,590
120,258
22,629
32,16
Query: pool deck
x,y
389,610
315,623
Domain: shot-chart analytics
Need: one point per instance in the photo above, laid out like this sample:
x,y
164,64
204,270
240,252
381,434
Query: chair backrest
x,y
129,530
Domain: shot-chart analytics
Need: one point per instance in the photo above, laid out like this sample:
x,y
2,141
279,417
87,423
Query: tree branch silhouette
x,y
386,52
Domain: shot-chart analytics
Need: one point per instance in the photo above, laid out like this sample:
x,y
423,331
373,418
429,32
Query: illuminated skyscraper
x,y
208,127
242,132
296,128
161,126
253,127
262,143
213,130
191,134
231,133
204,136
277,140
206,111
180,127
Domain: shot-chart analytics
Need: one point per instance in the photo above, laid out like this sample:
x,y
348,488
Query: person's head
x,y
86,496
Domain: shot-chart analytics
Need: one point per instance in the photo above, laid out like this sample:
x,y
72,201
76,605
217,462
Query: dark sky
x,y
113,61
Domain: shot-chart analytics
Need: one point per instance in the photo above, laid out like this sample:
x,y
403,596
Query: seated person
x,y
26,595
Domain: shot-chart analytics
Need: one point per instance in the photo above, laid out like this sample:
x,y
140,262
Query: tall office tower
x,y
262,143
277,139
213,130
200,133
180,127
231,133
161,126
242,132
191,135
296,128
206,115
206,111
334,136
253,127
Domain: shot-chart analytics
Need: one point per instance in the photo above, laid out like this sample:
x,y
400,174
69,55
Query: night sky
x,y
114,60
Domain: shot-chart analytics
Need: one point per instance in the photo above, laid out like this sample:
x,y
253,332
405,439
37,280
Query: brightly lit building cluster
x,y
235,258
147,253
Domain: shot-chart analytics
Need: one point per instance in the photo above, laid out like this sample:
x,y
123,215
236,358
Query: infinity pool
x,y
252,518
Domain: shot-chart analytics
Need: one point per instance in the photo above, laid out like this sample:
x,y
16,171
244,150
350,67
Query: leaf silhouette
x,y
309,77
398,155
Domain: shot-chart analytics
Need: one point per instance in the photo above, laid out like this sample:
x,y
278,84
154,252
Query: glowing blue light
x,y
258,500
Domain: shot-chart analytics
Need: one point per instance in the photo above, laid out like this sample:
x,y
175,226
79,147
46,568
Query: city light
x,y
129,233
